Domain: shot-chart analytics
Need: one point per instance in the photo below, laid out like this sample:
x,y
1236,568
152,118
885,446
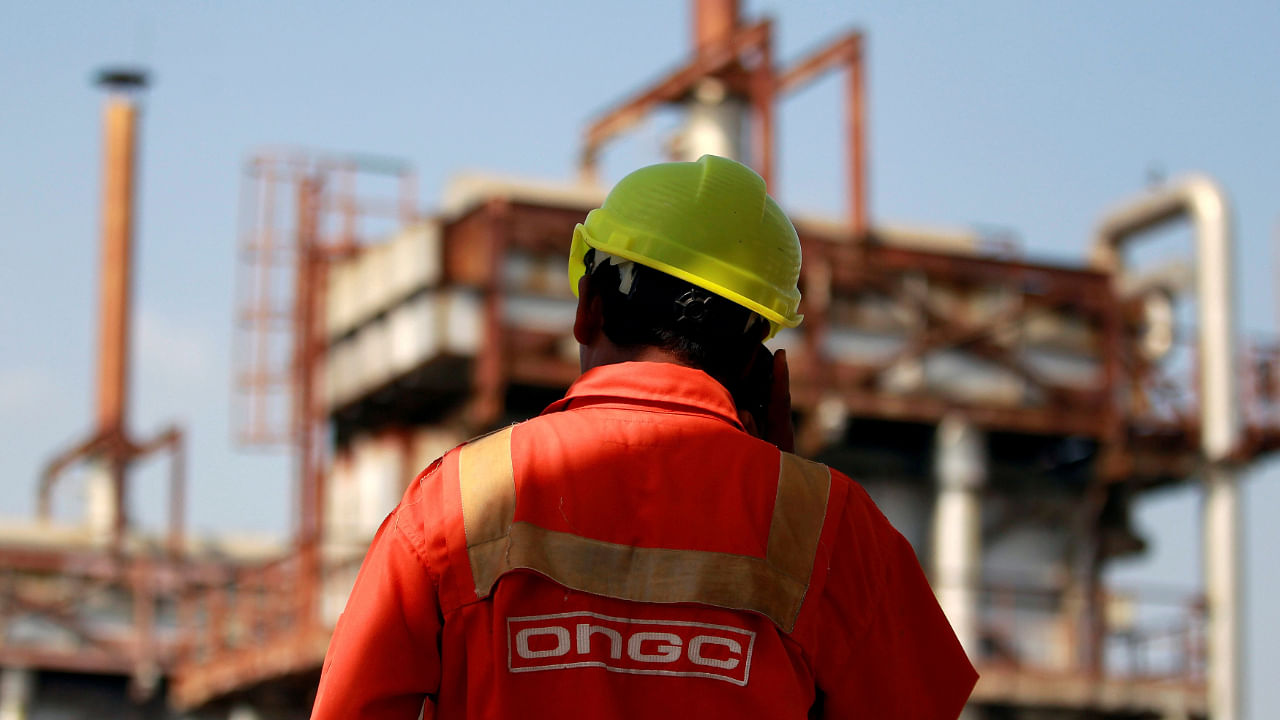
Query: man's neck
x,y
606,353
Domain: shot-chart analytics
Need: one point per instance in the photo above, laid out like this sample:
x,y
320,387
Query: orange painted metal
x,y
491,365
115,569
857,143
762,89
299,210
714,22
720,59
845,52
726,50
110,443
307,416
115,292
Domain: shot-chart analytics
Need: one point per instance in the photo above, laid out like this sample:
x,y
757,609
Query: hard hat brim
x,y
583,241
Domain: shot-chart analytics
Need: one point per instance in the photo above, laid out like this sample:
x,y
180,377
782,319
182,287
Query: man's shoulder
x,y
842,485
431,507
849,504
434,471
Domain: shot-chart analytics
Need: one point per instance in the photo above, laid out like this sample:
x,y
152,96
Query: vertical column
x,y
17,686
1222,548
714,124
1206,204
1220,437
857,124
115,292
960,469
100,502
307,433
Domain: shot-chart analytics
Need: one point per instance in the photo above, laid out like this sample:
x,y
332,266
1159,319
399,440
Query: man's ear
x,y
588,322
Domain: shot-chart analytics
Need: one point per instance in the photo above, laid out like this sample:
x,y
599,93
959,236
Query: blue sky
x,y
1024,117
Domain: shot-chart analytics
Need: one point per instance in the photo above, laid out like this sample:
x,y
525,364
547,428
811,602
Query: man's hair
x,y
652,308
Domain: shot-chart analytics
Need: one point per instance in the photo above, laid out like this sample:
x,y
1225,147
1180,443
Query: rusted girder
x,y
845,51
670,88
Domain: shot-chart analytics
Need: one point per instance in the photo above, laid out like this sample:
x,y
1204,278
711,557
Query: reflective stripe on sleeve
x,y
773,586
486,482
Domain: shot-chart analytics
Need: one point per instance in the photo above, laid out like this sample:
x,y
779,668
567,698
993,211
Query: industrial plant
x,y
1005,414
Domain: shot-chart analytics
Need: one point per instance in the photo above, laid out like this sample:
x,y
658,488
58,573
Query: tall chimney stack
x,y
105,500
120,119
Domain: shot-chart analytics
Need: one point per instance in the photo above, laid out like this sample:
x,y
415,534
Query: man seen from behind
x,y
647,547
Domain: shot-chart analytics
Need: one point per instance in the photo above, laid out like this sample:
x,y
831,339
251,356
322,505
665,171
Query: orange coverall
x,y
633,552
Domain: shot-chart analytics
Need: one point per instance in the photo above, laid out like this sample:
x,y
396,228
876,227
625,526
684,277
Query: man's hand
x,y
765,412
780,432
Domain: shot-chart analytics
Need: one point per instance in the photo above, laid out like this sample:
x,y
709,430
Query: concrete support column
x,y
17,687
1222,549
960,468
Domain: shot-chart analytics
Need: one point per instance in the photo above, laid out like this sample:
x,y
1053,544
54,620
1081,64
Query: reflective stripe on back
x,y
773,586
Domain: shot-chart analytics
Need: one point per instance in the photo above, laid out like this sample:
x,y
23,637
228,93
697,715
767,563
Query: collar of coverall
x,y
654,385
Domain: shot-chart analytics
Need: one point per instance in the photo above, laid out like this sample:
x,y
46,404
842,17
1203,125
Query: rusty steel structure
x,y
1141,422
300,213
110,444
741,57
58,580
1023,406
942,298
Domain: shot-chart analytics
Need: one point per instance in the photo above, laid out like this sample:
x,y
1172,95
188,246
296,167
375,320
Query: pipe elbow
x,y
1196,195
1207,201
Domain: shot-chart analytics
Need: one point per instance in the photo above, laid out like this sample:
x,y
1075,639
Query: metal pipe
x,y
765,97
960,468
120,122
857,120
115,291
1224,582
264,246
172,440
177,495
1200,200
306,323
489,374
848,52
714,123
17,689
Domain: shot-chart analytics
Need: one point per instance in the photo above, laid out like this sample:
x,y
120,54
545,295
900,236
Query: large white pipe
x,y
1203,202
960,468
101,503
715,124
1224,580
17,688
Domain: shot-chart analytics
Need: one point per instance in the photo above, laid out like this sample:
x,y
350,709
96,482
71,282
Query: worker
x,y
642,549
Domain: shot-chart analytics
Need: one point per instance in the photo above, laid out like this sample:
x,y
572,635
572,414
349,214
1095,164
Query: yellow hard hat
x,y
710,223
